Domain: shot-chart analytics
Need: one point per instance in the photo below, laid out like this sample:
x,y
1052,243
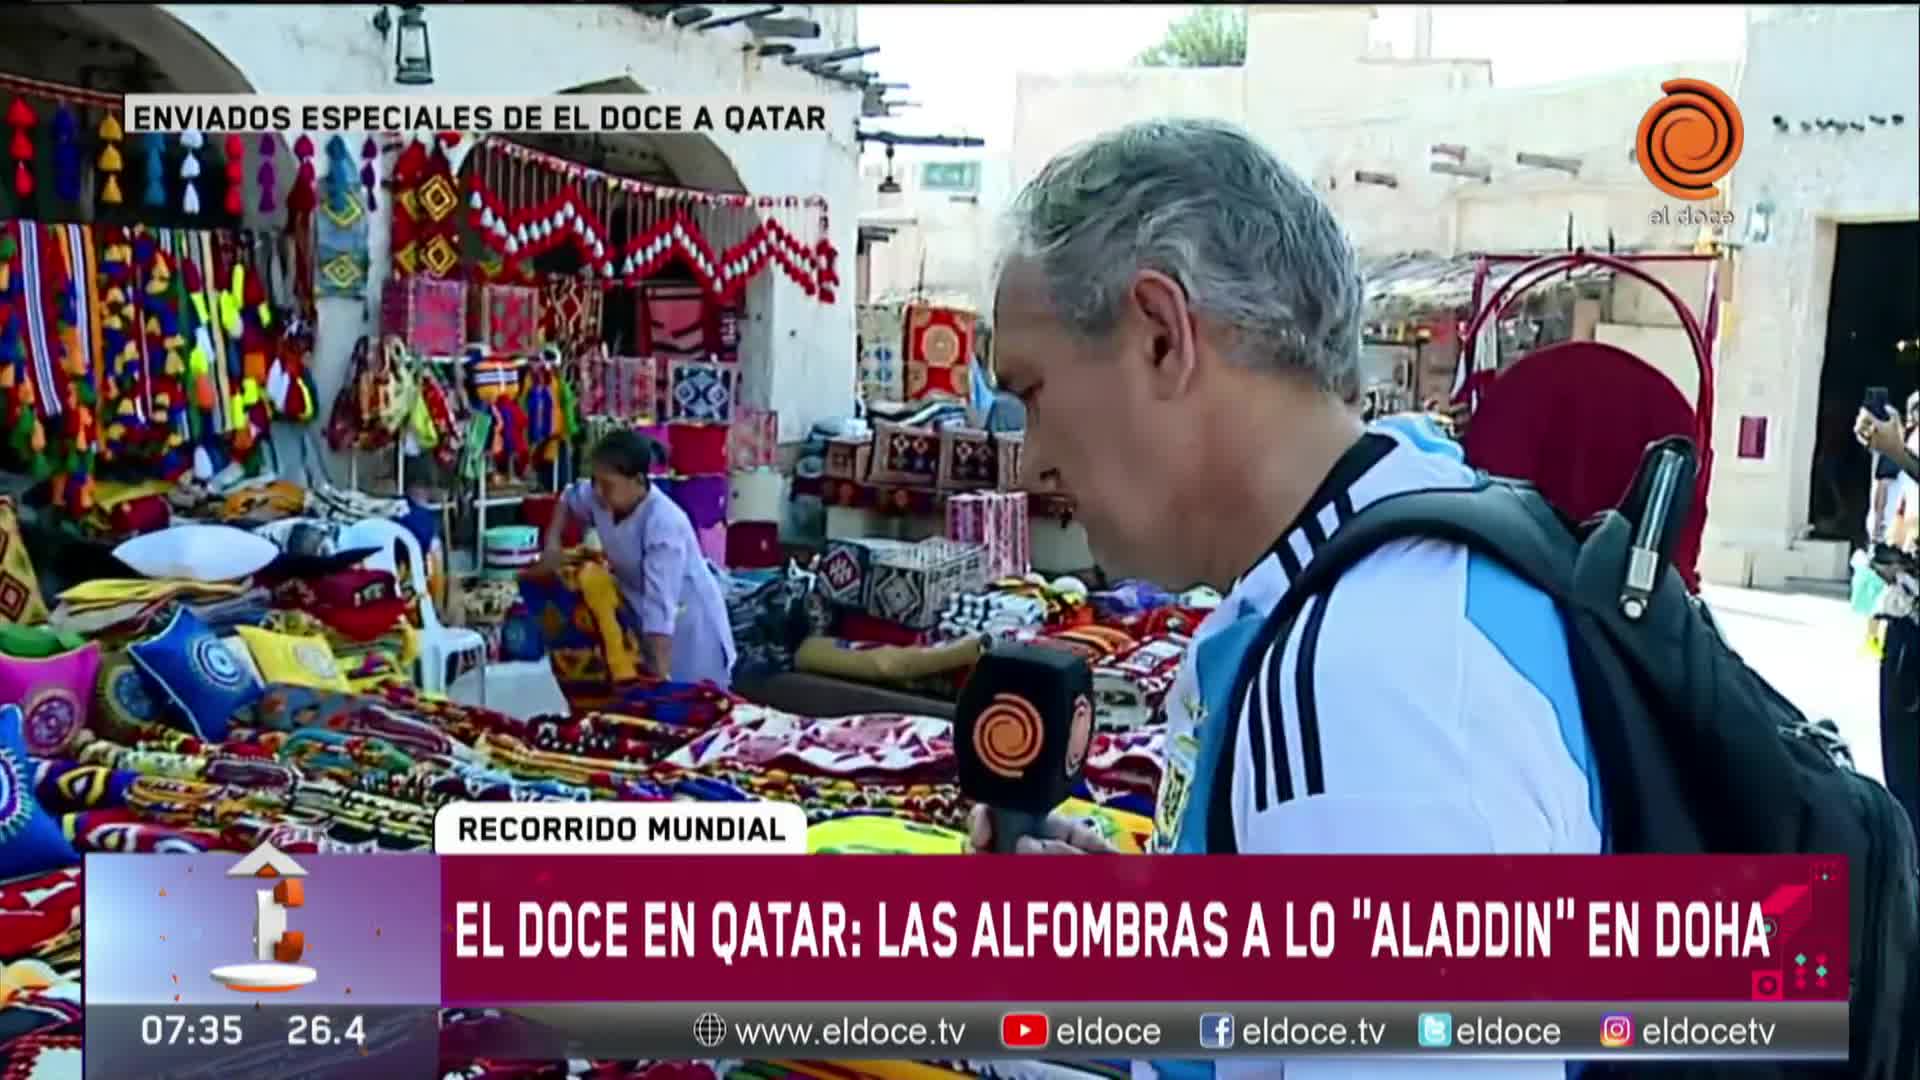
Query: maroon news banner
x,y
706,928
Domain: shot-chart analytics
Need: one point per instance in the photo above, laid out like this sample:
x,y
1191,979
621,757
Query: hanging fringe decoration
x,y
109,164
191,141
370,171
20,118
265,178
301,200
236,148
340,174
66,154
156,192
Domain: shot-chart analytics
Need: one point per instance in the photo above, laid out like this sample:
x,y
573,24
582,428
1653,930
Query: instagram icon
x,y
1616,1030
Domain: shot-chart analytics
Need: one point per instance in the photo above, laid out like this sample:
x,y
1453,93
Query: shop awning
x,y
1409,285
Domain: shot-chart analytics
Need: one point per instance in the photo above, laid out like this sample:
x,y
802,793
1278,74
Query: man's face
x,y
1098,426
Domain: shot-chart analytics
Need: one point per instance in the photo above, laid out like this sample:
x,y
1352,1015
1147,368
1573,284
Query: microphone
x,y
1021,732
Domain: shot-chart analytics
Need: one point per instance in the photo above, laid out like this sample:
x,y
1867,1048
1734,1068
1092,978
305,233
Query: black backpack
x,y
1698,754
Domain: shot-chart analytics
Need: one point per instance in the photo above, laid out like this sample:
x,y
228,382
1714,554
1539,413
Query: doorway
x,y
1874,306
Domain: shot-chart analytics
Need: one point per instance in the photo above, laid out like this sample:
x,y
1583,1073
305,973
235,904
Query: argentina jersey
x,y
1423,705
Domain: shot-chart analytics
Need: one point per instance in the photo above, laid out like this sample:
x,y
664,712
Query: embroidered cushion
x,y
506,318
197,674
966,459
296,661
939,345
700,391
30,841
429,314
123,701
53,693
20,600
905,455
697,449
198,553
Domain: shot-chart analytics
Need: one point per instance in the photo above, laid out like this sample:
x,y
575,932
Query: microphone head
x,y
1023,726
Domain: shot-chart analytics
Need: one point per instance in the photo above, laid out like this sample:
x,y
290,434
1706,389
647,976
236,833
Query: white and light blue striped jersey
x,y
1423,705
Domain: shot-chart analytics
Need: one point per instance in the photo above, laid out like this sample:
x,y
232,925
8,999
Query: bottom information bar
x,y
1759,1030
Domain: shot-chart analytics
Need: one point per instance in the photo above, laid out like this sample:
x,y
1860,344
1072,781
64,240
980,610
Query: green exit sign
x,y
962,177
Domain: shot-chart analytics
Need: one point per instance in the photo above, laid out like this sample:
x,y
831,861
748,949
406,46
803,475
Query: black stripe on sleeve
x,y
1305,703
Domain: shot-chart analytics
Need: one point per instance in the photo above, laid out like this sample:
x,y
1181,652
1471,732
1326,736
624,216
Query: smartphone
x,y
1878,402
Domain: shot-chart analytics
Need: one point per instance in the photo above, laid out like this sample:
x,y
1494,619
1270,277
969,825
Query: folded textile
x,y
877,745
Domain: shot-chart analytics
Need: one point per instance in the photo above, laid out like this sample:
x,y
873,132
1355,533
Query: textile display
x,y
505,319
846,568
753,545
591,636
429,314
753,441
572,310
712,541
939,353
704,498
197,673
1008,448
618,386
1128,688
756,495
904,455
20,599
121,703
998,522
882,372
848,458
340,246
293,660
30,841
967,460
877,746
426,206
54,695
700,392
697,449
911,584
996,614
671,326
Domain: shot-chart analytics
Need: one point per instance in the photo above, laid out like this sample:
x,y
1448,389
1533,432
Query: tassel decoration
x,y
192,141
370,172
340,174
66,155
301,199
110,163
268,181
236,148
21,118
156,193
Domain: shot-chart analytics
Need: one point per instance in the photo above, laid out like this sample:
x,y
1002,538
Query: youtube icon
x,y
1023,1031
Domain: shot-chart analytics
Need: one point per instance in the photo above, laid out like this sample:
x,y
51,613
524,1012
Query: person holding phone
x,y
1880,430
664,579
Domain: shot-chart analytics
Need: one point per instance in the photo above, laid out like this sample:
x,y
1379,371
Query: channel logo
x,y
1436,1030
1216,1031
1616,1031
1024,1031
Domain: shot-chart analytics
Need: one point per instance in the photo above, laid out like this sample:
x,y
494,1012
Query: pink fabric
x,y
55,695
1573,420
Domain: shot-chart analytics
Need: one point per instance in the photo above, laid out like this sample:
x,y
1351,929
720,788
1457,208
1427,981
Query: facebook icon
x,y
1216,1031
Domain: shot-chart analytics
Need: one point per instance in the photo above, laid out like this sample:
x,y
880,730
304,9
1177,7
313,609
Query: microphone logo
x,y
1007,735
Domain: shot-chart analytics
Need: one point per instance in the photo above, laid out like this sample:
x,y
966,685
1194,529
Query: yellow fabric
x,y
108,494
601,594
108,591
297,661
884,663
1128,832
870,835
277,498
20,600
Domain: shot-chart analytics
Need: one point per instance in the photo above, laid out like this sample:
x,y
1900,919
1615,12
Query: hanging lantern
x,y
412,48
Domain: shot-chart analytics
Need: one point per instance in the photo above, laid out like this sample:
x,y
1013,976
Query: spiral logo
x,y
1007,735
1690,139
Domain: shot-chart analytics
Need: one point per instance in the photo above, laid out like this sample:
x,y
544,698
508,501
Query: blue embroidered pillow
x,y
30,840
197,673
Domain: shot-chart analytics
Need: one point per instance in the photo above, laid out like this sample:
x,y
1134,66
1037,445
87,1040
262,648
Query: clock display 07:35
x,y
207,1029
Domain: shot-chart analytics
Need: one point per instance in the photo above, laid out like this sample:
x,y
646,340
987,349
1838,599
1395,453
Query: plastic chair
x,y
439,645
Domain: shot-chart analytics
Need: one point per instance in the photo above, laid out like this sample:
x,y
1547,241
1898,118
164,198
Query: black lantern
x,y
412,49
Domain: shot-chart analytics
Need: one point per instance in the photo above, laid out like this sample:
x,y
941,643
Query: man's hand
x,y
1883,437
1064,836
548,566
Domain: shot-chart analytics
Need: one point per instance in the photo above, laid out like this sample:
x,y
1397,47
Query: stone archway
x,y
188,62
693,160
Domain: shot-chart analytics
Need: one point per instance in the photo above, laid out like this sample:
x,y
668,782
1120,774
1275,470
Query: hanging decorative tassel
x,y
269,183
156,193
20,118
109,163
340,176
236,148
66,155
192,141
370,172
301,199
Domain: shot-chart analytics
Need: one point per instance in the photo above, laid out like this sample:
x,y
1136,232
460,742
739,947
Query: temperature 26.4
x,y
320,1031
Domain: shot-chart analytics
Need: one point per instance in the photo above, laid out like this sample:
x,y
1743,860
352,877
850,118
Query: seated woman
x,y
655,558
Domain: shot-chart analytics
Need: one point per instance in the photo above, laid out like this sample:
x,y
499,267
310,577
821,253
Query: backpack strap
x,y
1503,519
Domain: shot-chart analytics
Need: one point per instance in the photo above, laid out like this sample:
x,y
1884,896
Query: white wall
x,y
800,352
1803,62
942,243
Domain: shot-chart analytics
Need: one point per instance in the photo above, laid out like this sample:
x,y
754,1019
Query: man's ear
x,y
1167,325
